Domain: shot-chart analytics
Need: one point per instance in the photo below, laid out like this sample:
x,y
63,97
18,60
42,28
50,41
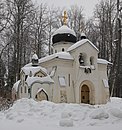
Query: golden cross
x,y
65,18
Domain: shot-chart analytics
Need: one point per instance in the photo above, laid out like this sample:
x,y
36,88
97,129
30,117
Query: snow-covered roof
x,y
83,34
33,70
41,89
103,61
64,29
15,86
35,57
80,43
60,55
31,80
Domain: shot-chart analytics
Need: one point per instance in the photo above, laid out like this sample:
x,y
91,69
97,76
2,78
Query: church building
x,y
72,74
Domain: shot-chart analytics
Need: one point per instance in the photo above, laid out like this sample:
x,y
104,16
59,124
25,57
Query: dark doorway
x,y
85,94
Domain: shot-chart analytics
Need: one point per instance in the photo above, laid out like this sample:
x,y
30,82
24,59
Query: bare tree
x,y
76,20
105,14
39,35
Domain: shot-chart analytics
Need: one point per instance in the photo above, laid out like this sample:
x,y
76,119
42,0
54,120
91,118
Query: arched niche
x,y
82,59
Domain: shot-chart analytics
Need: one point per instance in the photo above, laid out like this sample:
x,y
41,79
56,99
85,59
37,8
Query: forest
x,y
26,28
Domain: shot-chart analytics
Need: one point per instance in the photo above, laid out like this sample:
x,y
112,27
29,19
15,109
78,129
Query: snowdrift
x,y
27,113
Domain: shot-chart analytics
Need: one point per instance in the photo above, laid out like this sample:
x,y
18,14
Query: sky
x,y
88,5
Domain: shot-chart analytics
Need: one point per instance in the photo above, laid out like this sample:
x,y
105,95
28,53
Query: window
x,y
105,82
29,90
25,89
26,77
81,60
69,79
63,49
91,60
30,74
21,89
55,51
62,81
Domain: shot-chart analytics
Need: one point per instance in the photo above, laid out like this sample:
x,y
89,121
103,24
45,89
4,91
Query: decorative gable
x,y
40,74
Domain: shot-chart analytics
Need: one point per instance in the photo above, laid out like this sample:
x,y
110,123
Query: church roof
x,y
80,43
64,34
33,70
60,55
103,61
41,89
64,29
46,79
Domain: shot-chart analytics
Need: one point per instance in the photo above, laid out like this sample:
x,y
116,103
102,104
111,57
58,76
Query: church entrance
x,y
41,96
85,94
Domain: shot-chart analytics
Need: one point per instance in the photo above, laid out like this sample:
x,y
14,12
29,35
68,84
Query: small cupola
x,y
35,60
83,36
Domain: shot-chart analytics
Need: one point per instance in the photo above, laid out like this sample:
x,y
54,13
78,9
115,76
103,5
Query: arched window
x,y
21,89
55,51
42,95
25,89
82,59
63,49
91,60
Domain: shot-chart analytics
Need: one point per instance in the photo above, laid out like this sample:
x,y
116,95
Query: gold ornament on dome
x,y
65,18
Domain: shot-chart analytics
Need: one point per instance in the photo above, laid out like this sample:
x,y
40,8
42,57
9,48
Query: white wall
x,y
78,76
36,86
58,46
95,77
22,93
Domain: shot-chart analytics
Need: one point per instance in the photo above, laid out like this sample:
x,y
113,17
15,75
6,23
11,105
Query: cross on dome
x,y
65,18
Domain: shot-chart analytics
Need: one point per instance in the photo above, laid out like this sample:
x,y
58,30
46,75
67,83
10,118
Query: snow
x,y
64,29
46,79
83,34
103,61
60,55
99,114
80,43
35,57
15,86
27,114
27,69
41,89
66,122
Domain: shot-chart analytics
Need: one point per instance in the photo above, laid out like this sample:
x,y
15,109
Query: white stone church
x,y
72,74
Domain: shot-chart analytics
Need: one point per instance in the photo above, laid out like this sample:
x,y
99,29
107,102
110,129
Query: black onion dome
x,y
64,33
83,36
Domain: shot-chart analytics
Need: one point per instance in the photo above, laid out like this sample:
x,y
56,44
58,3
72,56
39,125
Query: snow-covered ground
x,y
27,114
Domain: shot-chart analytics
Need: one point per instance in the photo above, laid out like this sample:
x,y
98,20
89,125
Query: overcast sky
x,y
88,5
